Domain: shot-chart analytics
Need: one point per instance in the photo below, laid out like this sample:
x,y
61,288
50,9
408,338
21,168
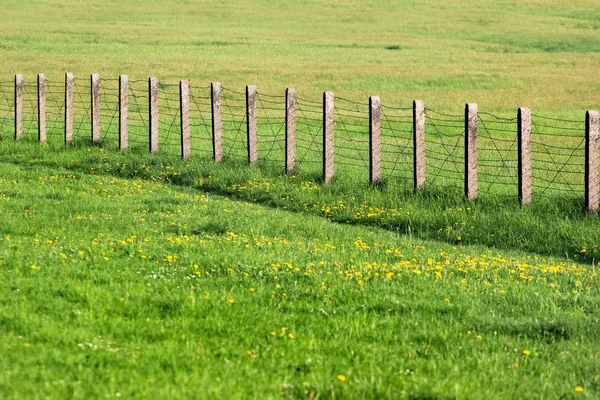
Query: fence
x,y
524,156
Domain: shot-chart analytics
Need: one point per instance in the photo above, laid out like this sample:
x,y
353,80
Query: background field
x,y
501,54
136,275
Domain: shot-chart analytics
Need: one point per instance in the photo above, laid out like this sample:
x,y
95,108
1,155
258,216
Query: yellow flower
x,y
291,336
230,301
34,267
341,378
526,352
579,389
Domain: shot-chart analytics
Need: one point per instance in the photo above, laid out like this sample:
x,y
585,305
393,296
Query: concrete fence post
x,y
184,104
419,160
95,102
328,136
524,145
471,148
374,139
41,100
252,139
153,115
69,88
123,112
591,161
18,107
217,124
290,131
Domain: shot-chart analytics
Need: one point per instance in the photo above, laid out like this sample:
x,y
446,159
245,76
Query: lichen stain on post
x,y
471,148
69,87
524,150
123,112
153,115
374,139
290,131
419,160
217,125
252,140
328,136
41,100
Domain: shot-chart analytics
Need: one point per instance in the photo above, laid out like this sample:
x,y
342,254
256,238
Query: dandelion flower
x,y
579,389
526,352
341,378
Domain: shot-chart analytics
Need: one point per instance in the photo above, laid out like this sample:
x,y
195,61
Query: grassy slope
x,y
96,316
501,54
146,288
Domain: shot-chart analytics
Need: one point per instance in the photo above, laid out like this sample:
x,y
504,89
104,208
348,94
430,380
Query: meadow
x,y
124,274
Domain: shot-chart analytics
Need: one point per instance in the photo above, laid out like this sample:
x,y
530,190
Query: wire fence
x,y
557,145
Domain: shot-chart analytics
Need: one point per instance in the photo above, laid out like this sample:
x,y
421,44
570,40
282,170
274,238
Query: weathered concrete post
x,y
328,136
374,139
41,100
419,160
95,101
123,112
591,161
251,124
153,114
18,107
290,131
524,137
184,104
69,87
471,147
217,125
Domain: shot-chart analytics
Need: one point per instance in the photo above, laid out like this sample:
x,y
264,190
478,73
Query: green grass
x,y
148,282
500,54
136,275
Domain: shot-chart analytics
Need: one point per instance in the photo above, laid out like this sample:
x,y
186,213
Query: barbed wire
x,y
396,145
271,127
444,148
557,156
557,144
201,121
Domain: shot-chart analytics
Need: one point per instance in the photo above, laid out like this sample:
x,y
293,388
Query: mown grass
x,y
130,275
500,54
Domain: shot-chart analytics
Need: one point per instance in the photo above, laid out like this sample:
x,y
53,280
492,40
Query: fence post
x,y
18,107
524,137
153,115
217,125
41,100
471,147
95,101
290,131
328,136
184,104
591,161
419,160
123,112
251,124
69,87
374,139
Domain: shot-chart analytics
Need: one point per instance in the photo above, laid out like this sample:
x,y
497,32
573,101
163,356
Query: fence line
x,y
530,154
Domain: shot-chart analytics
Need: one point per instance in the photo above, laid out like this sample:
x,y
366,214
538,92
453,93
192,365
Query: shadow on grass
x,y
550,226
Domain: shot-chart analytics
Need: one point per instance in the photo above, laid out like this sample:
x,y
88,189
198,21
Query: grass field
x,y
143,276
